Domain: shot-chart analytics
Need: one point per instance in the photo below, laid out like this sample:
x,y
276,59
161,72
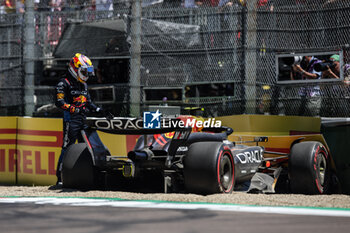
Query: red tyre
x,y
309,168
209,168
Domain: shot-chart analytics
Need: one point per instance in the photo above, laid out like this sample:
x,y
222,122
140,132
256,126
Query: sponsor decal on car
x,y
254,156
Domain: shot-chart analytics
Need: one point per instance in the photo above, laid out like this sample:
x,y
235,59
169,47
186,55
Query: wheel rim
x,y
226,172
321,168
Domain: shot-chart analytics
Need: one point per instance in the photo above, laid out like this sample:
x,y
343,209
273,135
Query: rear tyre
x,y
77,168
309,168
209,168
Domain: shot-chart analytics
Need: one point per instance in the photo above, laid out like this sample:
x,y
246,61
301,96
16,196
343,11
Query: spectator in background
x,y
205,3
310,95
225,3
225,6
55,21
105,7
266,20
36,5
2,8
334,100
262,3
266,5
165,101
335,71
10,6
191,3
347,74
213,23
90,10
57,5
308,71
20,8
229,20
92,5
345,96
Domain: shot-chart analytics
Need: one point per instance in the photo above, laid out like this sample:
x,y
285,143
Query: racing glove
x,y
77,110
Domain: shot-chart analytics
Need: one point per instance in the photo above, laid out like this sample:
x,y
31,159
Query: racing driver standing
x,y
73,97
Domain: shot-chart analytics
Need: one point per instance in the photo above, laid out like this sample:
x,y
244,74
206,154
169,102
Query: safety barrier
x,y
30,148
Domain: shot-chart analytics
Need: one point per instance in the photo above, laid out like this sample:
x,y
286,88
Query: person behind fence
x,y
2,9
338,95
73,98
333,70
191,3
310,94
105,7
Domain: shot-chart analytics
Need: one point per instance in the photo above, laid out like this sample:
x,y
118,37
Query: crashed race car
x,y
204,162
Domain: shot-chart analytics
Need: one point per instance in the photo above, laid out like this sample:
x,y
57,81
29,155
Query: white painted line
x,y
332,212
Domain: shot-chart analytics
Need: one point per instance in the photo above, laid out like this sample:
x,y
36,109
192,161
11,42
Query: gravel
x,y
329,201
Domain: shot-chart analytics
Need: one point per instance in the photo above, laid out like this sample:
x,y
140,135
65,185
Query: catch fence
x,y
222,59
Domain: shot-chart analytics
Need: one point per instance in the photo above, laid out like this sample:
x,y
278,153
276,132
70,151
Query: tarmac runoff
x,y
120,203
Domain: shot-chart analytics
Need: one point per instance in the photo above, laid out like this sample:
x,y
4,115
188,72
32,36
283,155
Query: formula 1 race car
x,y
203,162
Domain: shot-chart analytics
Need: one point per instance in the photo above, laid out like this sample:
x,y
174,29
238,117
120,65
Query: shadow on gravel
x,y
62,190
145,184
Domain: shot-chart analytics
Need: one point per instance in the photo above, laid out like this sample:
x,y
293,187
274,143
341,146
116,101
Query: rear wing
x,y
134,126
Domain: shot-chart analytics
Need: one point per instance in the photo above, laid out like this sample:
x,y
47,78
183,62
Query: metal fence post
x,y
135,58
28,58
250,58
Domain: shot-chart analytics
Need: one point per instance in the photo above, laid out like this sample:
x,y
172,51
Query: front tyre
x,y
309,170
209,168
